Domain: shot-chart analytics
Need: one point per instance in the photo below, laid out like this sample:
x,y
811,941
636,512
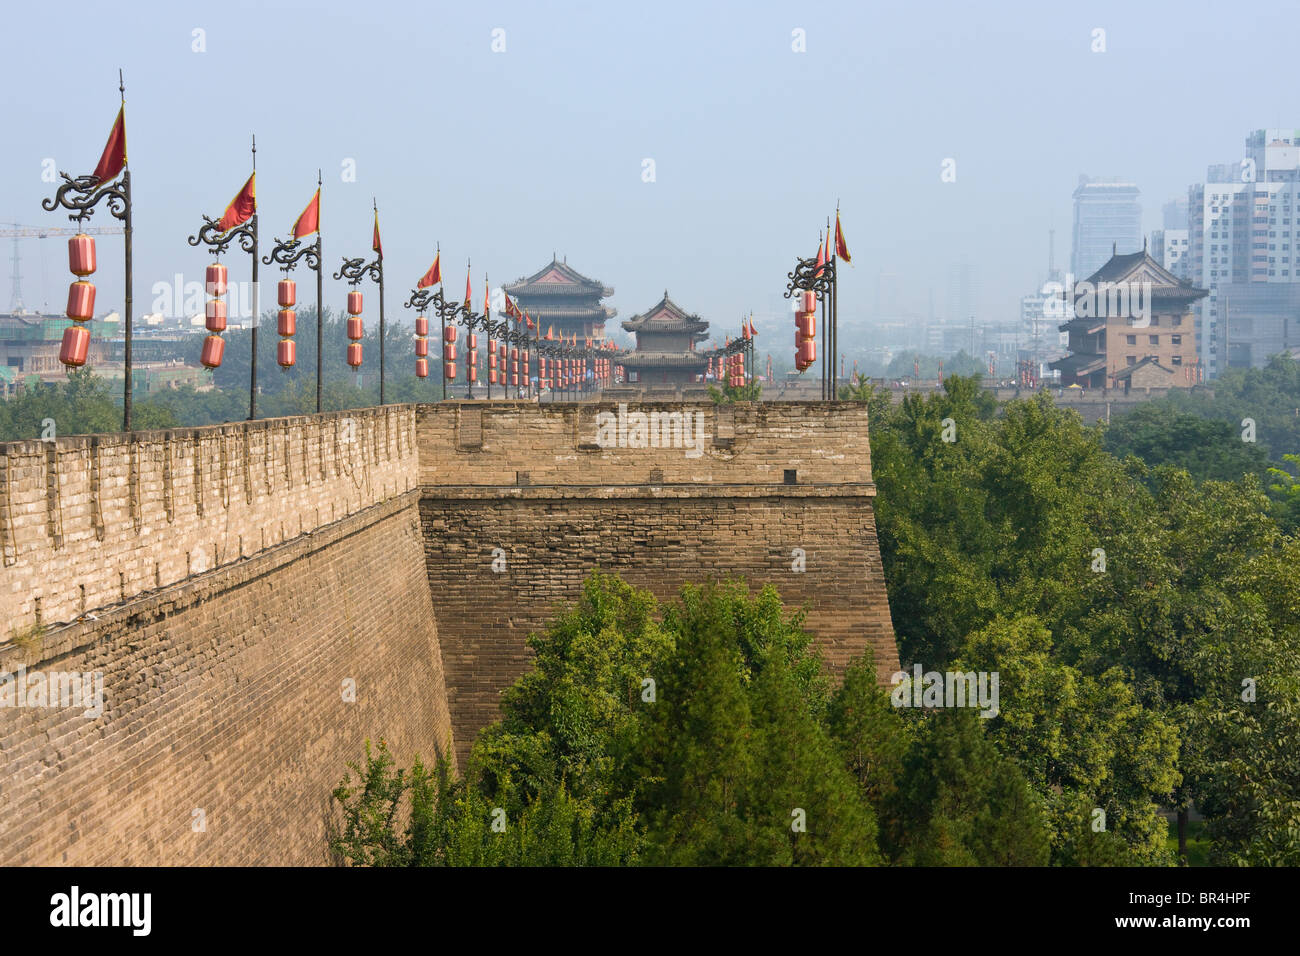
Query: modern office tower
x,y
963,293
1174,214
1244,231
1169,248
1107,220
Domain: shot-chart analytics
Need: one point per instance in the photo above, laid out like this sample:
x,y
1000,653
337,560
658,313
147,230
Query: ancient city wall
x,y
520,502
92,521
256,602
260,598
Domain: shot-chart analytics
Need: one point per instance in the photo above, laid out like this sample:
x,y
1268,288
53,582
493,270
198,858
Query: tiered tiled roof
x,y
668,316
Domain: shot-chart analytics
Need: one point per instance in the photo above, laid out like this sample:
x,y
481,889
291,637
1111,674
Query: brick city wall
x,y
96,520
533,482
226,581
223,704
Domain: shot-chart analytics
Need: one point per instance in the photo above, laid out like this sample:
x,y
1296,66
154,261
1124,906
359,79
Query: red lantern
x,y
449,371
806,323
492,347
285,352
472,342
354,354
449,334
355,330
81,301
809,302
421,325
216,316
449,352
76,345
421,368
216,279
354,302
286,322
81,254
214,347
471,372
286,293
421,348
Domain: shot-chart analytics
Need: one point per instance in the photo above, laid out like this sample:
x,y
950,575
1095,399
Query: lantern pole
x,y
81,194
354,270
420,300
210,234
806,277
286,254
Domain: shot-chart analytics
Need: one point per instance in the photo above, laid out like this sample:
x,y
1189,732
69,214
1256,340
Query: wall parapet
x,y
96,520
506,444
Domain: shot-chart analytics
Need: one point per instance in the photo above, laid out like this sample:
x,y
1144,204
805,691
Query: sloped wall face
x,y
519,504
231,705
251,602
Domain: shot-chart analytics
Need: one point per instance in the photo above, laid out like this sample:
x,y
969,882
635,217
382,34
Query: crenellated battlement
x,y
92,521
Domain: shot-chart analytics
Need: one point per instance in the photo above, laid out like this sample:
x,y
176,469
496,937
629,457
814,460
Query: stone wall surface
x,y
260,598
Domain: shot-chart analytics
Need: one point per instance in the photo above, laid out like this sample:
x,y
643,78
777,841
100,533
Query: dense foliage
x,y
702,733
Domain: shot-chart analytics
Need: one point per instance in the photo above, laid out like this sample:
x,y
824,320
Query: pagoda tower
x,y
665,346
560,297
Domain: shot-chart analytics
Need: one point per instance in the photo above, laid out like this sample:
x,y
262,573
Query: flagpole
x,y
320,299
382,326
81,195
257,312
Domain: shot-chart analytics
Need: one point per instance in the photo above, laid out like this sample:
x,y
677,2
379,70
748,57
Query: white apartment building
x,y
1243,230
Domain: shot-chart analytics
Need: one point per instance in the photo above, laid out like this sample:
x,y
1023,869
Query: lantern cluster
x,y
805,331
514,366
471,358
421,346
355,328
449,353
736,369
81,301
214,346
286,323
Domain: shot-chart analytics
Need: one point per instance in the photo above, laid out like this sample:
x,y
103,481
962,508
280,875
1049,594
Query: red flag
x,y
821,257
433,276
113,160
487,296
376,244
752,331
841,247
309,221
510,308
548,333
241,208
469,295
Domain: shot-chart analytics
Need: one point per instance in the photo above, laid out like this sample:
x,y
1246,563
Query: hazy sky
x,y
506,157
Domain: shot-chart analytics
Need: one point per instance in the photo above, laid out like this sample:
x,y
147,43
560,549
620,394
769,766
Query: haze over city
x,y
507,157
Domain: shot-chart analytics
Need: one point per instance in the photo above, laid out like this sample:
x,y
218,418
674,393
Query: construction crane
x,y
19,231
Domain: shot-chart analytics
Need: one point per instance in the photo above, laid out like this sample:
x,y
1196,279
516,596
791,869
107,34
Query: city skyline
x,y
504,178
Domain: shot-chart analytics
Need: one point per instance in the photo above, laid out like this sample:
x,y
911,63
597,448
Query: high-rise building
x,y
1169,248
1107,221
1244,230
963,292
